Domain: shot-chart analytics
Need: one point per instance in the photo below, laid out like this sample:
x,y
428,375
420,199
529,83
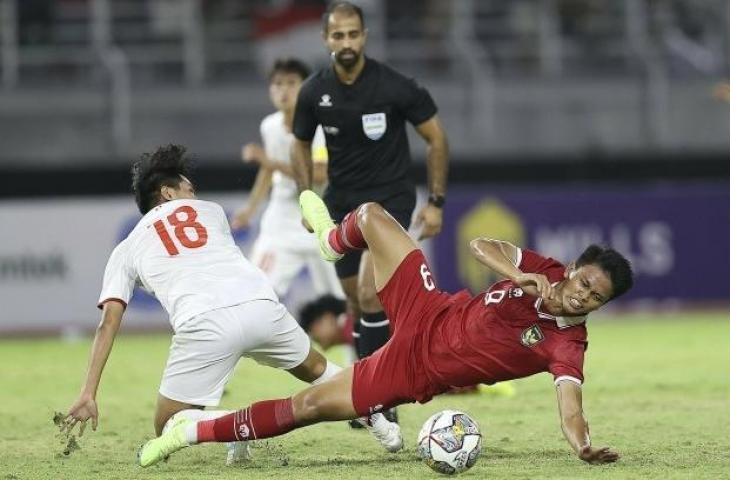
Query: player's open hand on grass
x,y
535,284
80,412
597,456
430,218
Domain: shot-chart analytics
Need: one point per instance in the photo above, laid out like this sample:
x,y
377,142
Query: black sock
x,y
374,332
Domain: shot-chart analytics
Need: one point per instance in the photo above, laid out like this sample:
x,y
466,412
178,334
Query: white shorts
x,y
205,350
282,263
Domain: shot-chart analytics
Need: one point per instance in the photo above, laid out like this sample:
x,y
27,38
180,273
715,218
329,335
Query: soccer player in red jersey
x,y
531,322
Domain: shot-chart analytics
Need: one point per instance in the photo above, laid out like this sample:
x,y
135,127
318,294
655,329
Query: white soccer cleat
x,y
238,453
385,432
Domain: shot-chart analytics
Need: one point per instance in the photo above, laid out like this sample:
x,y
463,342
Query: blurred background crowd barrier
x,y
569,121
90,79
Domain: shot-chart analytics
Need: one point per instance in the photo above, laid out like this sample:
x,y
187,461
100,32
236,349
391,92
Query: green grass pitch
x,y
657,390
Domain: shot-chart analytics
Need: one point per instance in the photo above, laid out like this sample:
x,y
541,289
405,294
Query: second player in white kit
x,y
283,247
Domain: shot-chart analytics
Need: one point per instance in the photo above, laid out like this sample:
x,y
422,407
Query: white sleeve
x,y
119,278
319,146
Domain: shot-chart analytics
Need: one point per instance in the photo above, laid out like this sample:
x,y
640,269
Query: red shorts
x,y
394,374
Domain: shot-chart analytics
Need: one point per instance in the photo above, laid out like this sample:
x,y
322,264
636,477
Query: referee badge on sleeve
x,y
374,125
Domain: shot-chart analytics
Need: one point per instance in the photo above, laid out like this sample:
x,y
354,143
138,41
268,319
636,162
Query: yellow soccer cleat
x,y
161,447
318,217
501,389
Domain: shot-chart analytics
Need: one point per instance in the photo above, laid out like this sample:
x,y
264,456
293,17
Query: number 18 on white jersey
x,y
182,252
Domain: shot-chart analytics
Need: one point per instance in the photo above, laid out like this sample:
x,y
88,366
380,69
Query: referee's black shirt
x,y
364,123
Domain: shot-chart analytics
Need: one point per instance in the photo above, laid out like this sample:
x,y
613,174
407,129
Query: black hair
x,y
151,171
289,65
316,308
345,7
613,263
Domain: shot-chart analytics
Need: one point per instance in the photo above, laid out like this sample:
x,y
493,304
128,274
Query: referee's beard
x,y
346,58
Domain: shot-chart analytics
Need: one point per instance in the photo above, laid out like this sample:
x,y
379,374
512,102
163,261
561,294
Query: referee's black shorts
x,y
398,200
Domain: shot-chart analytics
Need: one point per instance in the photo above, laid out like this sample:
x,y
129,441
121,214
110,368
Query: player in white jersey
x,y
221,307
283,248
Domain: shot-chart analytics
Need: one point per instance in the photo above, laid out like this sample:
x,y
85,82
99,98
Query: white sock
x,y
195,415
191,433
330,371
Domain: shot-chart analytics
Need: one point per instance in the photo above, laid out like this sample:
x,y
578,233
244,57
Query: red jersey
x,y
503,334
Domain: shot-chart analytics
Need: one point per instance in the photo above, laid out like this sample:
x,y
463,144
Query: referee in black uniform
x,y
363,106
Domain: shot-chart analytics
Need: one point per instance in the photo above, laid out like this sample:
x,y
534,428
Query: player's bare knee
x,y
311,368
369,212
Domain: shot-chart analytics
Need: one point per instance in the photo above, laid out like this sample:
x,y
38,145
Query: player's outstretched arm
x,y
255,153
259,193
575,426
437,164
501,257
84,408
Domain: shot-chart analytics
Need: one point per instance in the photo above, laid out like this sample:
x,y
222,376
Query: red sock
x,y
261,420
347,236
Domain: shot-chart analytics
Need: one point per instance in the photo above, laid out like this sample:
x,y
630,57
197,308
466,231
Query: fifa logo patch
x,y
532,336
374,125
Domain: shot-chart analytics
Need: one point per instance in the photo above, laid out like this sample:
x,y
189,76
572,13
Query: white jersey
x,y
282,218
182,252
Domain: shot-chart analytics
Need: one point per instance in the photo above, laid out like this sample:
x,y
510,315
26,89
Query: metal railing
x,y
9,43
480,59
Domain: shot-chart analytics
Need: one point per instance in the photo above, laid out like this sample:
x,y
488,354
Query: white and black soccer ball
x,y
450,442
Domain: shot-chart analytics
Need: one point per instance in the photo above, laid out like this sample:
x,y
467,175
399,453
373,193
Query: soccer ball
x,y
450,442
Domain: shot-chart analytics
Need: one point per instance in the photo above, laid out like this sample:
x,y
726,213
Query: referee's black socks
x,y
374,332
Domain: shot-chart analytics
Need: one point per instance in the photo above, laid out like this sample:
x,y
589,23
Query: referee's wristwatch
x,y
437,200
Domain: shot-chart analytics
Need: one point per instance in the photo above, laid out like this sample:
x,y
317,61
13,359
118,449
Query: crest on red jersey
x,y
532,336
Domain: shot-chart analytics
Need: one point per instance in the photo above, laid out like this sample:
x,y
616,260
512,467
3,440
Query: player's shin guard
x,y
374,332
347,236
265,419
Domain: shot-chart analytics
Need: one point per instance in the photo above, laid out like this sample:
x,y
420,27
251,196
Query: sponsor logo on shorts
x,y
330,130
243,431
532,336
